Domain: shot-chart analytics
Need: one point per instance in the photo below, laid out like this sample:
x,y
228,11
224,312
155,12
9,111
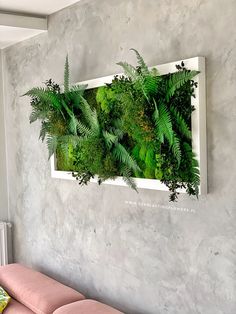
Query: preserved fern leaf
x,y
75,94
66,76
110,138
193,163
89,114
123,156
51,144
180,123
45,96
163,123
150,85
37,114
176,148
45,128
177,80
73,125
127,177
129,70
143,67
86,131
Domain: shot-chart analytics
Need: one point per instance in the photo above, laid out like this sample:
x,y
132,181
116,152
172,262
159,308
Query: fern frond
x,y
73,125
118,128
156,117
87,111
83,129
42,133
150,84
193,165
52,144
143,67
68,110
109,138
127,177
164,126
88,132
45,129
118,133
94,120
66,76
45,96
122,155
78,88
36,92
180,123
35,115
163,123
177,80
40,111
129,70
75,94
90,115
176,148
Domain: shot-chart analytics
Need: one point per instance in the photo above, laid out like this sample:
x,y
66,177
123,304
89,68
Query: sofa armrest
x,y
36,291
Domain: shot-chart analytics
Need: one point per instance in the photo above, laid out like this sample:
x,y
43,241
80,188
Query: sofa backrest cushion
x,y
36,291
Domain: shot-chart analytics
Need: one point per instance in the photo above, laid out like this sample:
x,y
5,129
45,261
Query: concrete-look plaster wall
x,y
135,251
3,168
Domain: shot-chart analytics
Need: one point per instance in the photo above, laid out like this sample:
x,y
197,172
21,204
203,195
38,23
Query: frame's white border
x,y
198,127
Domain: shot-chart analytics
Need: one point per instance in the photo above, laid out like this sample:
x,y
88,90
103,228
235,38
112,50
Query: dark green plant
x,y
137,126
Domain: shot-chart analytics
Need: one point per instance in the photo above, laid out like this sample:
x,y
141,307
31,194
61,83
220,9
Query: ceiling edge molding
x,y
23,21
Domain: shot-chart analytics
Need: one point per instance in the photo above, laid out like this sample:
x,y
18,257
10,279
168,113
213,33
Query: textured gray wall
x,y
134,251
3,168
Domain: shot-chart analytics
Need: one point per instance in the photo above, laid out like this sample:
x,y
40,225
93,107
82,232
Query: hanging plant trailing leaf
x,y
137,126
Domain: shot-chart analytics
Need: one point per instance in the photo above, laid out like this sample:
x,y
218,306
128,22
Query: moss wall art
x,y
138,126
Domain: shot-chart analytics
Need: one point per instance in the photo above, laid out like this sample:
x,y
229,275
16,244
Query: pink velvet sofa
x,y
35,293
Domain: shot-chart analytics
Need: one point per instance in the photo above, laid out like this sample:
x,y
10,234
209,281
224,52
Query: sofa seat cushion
x,y
87,307
15,307
36,291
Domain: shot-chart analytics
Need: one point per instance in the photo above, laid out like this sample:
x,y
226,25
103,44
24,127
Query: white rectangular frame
x,y
199,144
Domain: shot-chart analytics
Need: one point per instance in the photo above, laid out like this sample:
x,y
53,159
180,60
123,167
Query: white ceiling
x,y
39,7
11,34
